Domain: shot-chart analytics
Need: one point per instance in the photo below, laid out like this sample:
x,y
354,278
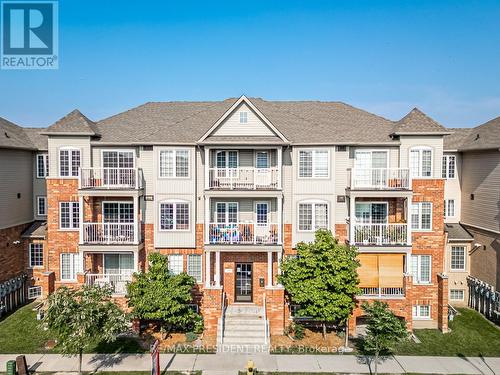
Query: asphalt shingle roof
x,y
37,138
483,137
455,140
457,232
418,122
13,136
73,122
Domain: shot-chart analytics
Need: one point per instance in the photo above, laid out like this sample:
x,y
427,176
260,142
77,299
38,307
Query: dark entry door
x,y
243,282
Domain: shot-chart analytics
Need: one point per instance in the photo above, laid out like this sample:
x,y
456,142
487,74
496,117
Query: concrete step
x,y
243,340
244,317
249,329
254,334
244,309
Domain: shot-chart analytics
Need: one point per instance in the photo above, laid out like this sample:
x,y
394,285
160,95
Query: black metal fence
x,y
484,298
13,293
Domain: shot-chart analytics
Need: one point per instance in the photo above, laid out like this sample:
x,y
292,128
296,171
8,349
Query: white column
x,y
279,150
408,220
136,260
280,220
80,215
136,219
217,268
207,269
206,227
280,259
269,268
352,218
207,167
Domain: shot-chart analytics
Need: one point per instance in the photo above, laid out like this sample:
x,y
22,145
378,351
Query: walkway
x,y
219,364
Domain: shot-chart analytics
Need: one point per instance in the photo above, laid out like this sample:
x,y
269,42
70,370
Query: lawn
x,y
471,335
20,332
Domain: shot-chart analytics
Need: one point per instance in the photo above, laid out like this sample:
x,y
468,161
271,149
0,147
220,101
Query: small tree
x,y
159,295
82,317
322,279
384,330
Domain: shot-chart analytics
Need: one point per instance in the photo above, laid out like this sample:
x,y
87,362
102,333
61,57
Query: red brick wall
x,y
211,304
341,233
13,257
275,309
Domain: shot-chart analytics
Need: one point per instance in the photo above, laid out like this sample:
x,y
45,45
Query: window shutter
x,y
368,272
391,270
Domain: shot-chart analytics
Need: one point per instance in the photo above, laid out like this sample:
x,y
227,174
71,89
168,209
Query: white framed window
x,y
70,266
421,269
34,292
174,163
421,311
176,264
262,213
69,215
421,216
243,117
449,166
226,159
457,294
226,212
41,206
69,161
449,207
314,163
42,165
36,255
457,261
421,162
194,266
174,216
313,216
262,159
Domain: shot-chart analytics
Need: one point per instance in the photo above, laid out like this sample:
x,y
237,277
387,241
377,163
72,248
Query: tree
x,y
82,317
159,295
384,330
322,279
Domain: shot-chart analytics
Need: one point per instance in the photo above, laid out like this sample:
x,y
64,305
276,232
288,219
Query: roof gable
x,y
14,136
483,137
73,123
416,122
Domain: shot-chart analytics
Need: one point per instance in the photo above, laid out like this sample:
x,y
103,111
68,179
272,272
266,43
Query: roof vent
x,y
147,148
341,148
477,137
6,135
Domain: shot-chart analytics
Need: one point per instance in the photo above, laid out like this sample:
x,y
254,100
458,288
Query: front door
x,y
243,282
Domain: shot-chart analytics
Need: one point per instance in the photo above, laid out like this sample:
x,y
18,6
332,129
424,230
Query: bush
x,y
191,336
298,331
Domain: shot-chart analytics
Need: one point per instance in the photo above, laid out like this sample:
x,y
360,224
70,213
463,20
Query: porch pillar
x,y
280,220
207,269
279,158
408,220
207,220
352,218
207,167
217,268
279,254
269,268
136,260
80,216
136,219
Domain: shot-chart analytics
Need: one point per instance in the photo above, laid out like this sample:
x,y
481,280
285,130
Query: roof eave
x,y
88,134
422,133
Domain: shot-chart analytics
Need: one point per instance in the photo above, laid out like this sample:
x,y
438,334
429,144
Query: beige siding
x,y
246,209
287,184
246,157
453,189
145,161
434,142
232,127
481,178
458,279
39,187
183,189
16,177
200,186
57,142
343,162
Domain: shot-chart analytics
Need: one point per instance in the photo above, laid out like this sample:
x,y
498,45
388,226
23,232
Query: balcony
x,y
243,234
110,178
248,178
379,179
109,234
117,282
381,235
382,292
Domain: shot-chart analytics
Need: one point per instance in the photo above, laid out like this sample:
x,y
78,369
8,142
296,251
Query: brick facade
x,y
13,256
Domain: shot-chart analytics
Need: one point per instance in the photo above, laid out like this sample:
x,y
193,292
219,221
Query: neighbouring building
x,y
227,189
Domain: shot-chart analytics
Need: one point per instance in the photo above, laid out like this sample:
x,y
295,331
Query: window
x,y
313,216
421,216
174,163
243,117
227,212
69,215
262,159
36,255
176,264
194,267
69,162
174,216
313,163
226,159
34,292
261,213
371,213
42,165
421,269
457,262
449,207
41,206
70,266
456,294
421,312
421,162
449,165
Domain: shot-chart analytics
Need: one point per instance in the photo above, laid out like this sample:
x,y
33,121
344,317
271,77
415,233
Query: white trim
x,y
447,158
174,202
242,99
226,212
464,248
71,265
256,152
29,254
72,227
371,151
446,208
416,278
70,161
118,150
313,202
174,150
420,229
38,198
457,299
314,150
119,202
226,152
420,164
418,316
386,203
200,281
45,157
268,204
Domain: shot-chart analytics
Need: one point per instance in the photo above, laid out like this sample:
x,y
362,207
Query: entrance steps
x,y
244,330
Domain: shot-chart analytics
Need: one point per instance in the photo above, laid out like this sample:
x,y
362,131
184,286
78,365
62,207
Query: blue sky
x,y
383,56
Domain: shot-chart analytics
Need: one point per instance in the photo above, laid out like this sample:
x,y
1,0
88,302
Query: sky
x,y
382,56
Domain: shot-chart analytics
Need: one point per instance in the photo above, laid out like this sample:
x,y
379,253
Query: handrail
x,y
222,317
243,233
244,178
110,178
266,321
379,178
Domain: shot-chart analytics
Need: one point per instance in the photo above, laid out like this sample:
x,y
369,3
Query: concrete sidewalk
x,y
231,363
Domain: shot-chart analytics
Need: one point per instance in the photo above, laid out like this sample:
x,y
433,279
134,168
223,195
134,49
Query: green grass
x,y
471,335
20,332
